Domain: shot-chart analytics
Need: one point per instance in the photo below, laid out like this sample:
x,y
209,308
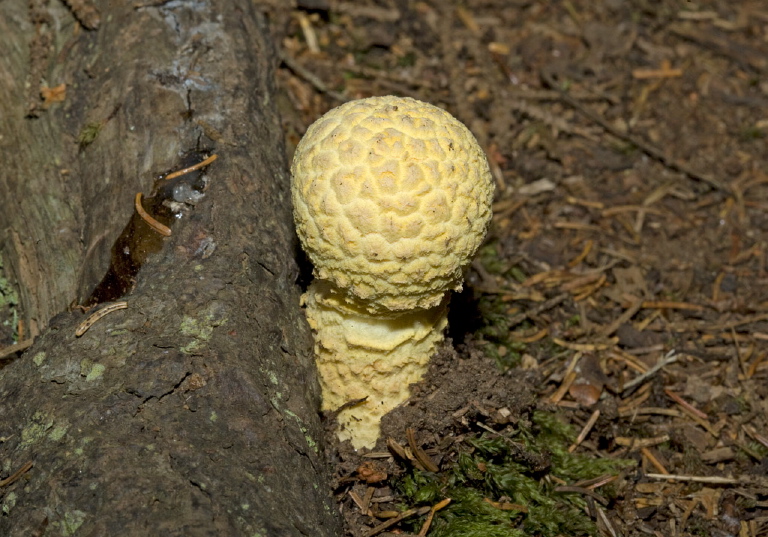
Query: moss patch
x,y
90,370
72,522
201,328
511,486
9,305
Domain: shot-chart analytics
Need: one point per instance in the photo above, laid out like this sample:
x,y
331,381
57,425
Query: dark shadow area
x,y
150,224
304,276
464,315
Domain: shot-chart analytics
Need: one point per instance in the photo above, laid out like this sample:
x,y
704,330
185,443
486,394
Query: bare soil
x,y
624,283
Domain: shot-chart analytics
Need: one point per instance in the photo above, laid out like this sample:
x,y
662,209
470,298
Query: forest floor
x,y
606,372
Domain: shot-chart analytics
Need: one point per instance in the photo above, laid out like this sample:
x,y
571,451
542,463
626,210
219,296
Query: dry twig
x,y
16,347
17,474
419,453
712,480
392,521
585,431
630,386
310,77
435,508
96,315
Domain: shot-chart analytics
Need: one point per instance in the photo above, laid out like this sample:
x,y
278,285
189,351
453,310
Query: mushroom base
x,y
373,358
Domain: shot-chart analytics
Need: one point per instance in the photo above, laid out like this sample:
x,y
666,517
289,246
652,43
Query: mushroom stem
x,y
391,198
370,357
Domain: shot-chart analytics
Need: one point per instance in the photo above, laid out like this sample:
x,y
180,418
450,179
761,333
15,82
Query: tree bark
x,y
194,410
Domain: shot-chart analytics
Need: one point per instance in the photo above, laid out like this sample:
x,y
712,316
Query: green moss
x,y
492,468
9,302
8,296
751,133
9,503
573,321
407,60
518,274
489,258
88,135
90,370
759,449
496,330
193,327
58,432
39,358
473,516
494,310
307,437
200,328
72,522
625,148
35,430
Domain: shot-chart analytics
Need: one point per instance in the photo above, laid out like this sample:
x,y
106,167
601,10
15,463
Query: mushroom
x,y
392,197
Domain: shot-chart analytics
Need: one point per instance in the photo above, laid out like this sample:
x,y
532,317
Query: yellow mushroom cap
x,y
392,197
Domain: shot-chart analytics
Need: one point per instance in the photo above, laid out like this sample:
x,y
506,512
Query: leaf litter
x,y
607,373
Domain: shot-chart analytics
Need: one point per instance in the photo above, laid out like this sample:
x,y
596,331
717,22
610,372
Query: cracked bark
x,y
193,411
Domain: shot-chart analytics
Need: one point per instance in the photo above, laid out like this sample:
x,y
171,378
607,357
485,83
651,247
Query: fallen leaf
x,y
370,472
56,94
585,394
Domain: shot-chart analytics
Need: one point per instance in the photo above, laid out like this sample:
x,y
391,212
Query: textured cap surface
x,y
392,197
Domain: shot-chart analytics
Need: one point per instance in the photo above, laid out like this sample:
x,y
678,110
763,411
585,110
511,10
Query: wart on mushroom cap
x,y
392,197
